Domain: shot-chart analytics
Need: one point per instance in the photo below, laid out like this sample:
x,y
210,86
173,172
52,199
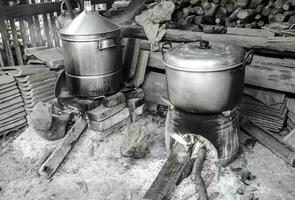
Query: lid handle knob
x,y
204,44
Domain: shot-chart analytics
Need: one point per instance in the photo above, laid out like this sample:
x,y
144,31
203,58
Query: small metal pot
x,y
203,78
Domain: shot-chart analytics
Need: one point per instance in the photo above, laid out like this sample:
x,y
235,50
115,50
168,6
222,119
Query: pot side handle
x,y
248,57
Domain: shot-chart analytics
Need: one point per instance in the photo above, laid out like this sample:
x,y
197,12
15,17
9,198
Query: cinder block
x,y
101,113
109,122
114,100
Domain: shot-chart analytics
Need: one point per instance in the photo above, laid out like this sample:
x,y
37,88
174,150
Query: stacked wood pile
x,y
264,107
12,112
240,13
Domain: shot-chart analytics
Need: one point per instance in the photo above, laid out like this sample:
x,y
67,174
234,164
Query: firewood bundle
x,y
239,13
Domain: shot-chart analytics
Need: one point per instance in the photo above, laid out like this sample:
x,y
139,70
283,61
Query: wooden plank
x,y
169,174
5,40
264,61
271,77
54,30
47,30
1,59
140,68
31,31
16,44
23,31
176,35
58,155
29,9
249,32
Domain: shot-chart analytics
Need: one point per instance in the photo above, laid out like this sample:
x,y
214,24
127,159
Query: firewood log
x,y
258,17
289,13
278,4
275,11
260,23
280,17
271,18
194,2
229,7
199,10
246,13
288,5
242,3
251,25
211,11
266,10
291,20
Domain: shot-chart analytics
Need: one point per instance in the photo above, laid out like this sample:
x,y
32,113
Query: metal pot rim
x,y
224,68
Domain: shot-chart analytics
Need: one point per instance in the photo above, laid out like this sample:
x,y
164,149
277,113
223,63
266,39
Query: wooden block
x,y
140,68
136,93
272,77
110,122
58,155
135,102
114,100
101,113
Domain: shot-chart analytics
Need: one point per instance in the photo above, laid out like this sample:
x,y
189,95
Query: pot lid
x,y
89,23
204,57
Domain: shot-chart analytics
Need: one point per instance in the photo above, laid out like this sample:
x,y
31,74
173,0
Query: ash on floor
x,y
95,169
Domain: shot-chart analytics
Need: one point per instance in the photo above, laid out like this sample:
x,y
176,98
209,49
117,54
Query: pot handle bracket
x,y
107,43
248,57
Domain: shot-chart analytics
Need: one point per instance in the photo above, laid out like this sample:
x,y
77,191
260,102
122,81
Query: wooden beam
x,y
176,35
28,9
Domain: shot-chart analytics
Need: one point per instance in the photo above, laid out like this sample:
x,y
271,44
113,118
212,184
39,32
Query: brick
x,y
136,93
110,122
114,100
101,113
135,102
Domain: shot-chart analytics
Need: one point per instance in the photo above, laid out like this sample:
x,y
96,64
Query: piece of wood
x,y
289,4
280,17
28,9
249,32
242,3
131,57
5,41
271,77
278,4
169,174
23,31
196,173
16,44
263,61
266,10
33,37
140,68
291,20
58,155
265,138
101,113
190,36
246,13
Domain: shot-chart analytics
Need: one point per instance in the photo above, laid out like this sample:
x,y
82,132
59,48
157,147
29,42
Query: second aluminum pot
x,y
205,78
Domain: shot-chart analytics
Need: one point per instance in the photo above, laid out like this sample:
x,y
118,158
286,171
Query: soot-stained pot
x,y
92,51
205,78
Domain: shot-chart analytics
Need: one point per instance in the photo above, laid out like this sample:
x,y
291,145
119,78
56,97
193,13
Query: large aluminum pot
x,y
92,52
205,78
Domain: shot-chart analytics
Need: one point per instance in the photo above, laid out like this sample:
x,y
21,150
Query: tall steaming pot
x,y
92,53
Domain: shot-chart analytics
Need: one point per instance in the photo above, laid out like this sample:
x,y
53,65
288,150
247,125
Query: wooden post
x,y
16,43
5,40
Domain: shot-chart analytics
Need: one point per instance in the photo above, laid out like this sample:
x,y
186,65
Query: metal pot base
x,y
93,86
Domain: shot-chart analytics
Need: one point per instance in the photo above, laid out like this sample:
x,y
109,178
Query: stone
x,y
135,102
137,113
102,112
114,100
136,93
136,142
109,122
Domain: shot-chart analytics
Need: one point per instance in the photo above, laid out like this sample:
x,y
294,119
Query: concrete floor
x,y
94,169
